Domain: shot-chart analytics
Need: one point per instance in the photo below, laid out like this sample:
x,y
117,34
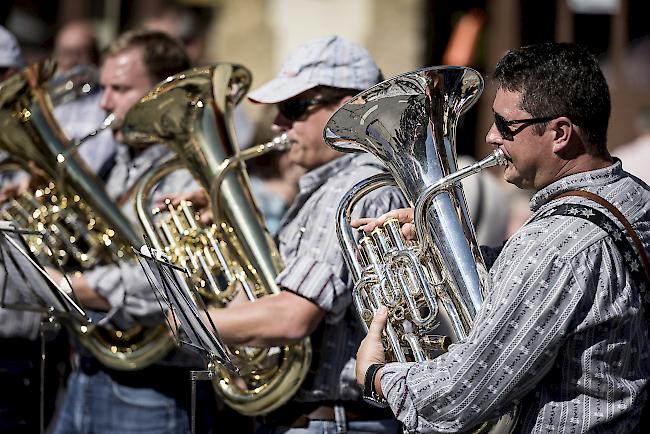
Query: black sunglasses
x,y
294,109
503,126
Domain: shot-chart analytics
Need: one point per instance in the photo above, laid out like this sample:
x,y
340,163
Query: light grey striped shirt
x,y
315,268
561,331
124,284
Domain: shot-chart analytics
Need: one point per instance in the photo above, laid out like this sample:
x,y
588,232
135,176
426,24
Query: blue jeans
x,y
99,405
385,426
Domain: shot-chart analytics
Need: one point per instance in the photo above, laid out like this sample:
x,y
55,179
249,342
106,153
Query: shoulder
x,y
356,168
551,249
565,235
567,226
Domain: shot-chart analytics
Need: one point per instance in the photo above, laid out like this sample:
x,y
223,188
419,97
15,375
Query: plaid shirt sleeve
x,y
316,269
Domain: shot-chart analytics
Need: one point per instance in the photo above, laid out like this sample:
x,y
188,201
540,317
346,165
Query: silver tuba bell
x,y
432,287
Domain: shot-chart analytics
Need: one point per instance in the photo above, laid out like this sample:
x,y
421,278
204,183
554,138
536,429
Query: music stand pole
x,y
194,376
47,324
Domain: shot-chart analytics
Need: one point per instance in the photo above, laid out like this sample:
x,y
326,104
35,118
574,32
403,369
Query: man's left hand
x,y
371,349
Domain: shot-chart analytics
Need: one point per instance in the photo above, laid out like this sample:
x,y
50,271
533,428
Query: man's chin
x,y
512,178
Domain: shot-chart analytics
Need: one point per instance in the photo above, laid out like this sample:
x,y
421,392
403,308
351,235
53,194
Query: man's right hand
x,y
198,198
403,215
14,190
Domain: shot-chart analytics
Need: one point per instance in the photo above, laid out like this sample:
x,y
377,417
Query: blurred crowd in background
x,y
402,34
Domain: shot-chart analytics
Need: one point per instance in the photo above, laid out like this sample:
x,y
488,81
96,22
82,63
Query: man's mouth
x,y
506,156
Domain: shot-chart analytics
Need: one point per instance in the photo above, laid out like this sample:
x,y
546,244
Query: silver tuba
x,y
191,113
432,287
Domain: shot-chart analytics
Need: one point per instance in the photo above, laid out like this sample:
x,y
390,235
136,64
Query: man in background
x,y
20,343
76,53
155,398
75,44
315,298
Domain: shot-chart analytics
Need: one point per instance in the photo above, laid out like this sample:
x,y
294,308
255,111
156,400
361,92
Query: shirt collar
x,y
591,179
313,179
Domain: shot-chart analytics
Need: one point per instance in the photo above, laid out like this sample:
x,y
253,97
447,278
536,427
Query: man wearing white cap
x,y
316,79
11,60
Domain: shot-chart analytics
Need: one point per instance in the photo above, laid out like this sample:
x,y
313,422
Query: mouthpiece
x,y
107,122
281,142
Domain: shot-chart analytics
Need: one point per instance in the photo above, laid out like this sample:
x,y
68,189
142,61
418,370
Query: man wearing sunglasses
x,y
563,331
316,79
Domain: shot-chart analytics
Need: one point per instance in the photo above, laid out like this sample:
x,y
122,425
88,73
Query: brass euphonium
x,y
432,287
83,226
192,114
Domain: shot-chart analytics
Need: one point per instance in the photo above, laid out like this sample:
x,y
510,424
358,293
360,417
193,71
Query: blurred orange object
x,y
464,38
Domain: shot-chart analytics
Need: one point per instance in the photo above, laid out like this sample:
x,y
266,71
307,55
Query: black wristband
x,y
370,395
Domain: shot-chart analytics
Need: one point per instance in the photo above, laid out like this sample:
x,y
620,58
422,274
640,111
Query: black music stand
x,y
40,293
190,328
20,269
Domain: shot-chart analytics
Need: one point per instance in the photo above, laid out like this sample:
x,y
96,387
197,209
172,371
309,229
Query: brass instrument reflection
x,y
192,114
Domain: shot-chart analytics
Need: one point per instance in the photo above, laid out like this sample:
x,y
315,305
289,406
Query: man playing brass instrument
x,y
315,300
563,329
156,397
19,331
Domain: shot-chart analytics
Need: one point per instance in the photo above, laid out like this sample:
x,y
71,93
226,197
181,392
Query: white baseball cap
x,y
10,54
330,61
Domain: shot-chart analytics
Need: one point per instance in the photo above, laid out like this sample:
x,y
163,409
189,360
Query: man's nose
x,y
106,103
493,137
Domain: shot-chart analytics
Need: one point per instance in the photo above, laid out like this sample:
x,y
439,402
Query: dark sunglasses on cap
x,y
503,126
294,109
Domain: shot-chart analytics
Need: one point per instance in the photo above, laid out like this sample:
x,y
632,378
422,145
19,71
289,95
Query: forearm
x,y
87,295
269,321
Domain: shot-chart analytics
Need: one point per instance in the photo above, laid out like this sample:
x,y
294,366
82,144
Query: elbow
x,y
292,321
287,331
298,331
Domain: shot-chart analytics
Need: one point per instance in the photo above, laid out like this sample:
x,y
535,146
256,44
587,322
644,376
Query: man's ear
x,y
562,129
345,99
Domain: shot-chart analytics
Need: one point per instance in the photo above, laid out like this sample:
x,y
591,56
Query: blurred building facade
x,y
402,35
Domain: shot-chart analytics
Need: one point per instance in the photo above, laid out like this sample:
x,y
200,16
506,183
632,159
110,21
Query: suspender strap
x,y
619,215
638,270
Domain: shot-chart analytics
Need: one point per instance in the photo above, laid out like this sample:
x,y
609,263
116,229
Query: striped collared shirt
x,y
124,284
315,268
562,330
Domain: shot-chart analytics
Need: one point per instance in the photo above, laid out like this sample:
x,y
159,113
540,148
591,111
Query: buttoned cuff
x,y
317,282
394,388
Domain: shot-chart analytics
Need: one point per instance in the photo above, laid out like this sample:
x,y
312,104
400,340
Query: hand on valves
x,y
403,215
198,199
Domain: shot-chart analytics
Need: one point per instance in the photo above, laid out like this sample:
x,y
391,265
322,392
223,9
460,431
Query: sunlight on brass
x,y
192,114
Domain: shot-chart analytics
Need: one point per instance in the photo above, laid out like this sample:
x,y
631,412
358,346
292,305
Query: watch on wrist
x,y
370,395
